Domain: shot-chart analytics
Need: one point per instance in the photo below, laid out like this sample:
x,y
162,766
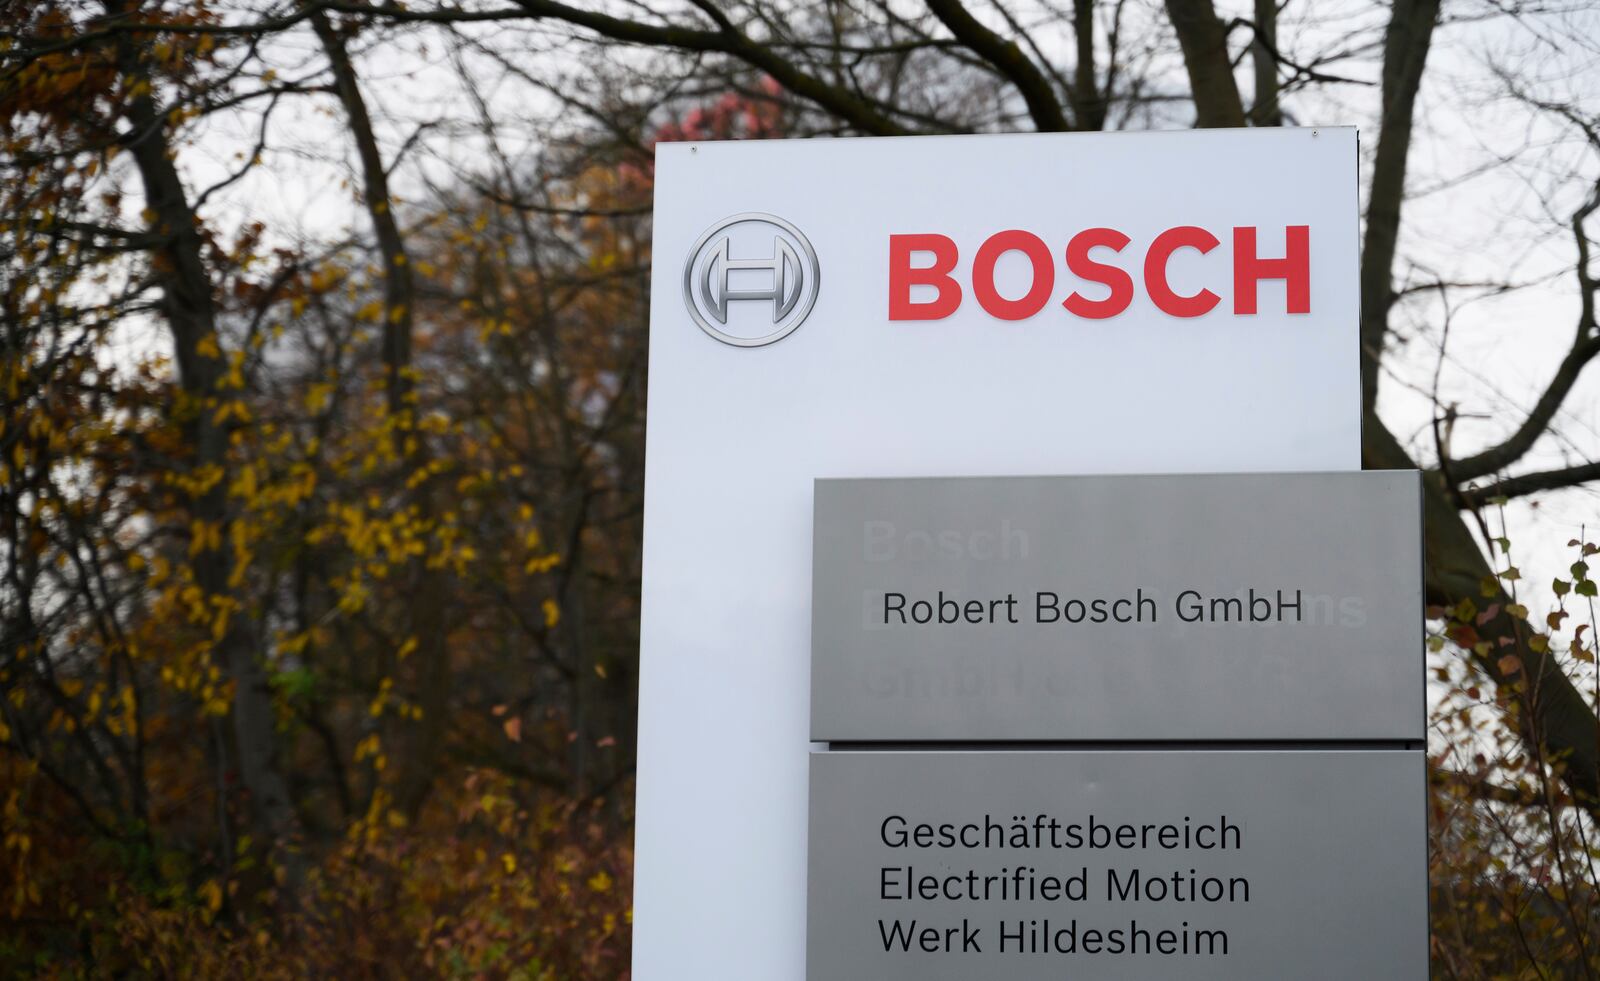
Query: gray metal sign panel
x,y
1211,607
1243,865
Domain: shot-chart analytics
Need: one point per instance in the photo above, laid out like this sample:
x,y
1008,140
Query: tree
x,y
241,580
321,537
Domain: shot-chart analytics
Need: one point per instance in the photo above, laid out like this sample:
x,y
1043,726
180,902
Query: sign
x,y
1283,606
1002,376
1119,864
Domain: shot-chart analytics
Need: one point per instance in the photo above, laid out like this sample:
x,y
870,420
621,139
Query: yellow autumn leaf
x,y
211,895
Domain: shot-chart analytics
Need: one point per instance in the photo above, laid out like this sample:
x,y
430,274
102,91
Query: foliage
x,y
301,679
494,889
1513,858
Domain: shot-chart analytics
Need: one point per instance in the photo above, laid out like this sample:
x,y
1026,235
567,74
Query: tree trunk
x,y
1088,103
1405,53
188,306
1265,110
419,742
1205,56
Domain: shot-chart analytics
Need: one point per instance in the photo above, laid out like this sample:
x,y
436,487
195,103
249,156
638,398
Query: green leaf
x,y
1587,588
295,683
1561,586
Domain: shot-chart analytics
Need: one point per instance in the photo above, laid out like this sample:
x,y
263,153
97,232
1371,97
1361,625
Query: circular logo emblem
x,y
750,280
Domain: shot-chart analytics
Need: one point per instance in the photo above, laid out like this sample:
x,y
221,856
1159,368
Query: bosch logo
x,y
1098,260
751,280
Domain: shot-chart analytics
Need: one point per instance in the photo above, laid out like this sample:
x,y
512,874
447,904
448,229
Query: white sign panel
x,y
937,306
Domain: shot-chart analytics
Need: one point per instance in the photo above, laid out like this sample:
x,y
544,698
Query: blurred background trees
x,y
324,332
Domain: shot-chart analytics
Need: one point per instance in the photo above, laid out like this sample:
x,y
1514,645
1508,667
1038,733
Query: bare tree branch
x,y
1043,105
1406,44
1205,55
1522,485
727,40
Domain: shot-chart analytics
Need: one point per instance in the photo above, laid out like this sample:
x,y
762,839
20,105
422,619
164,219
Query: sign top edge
x,y
1247,474
1268,133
